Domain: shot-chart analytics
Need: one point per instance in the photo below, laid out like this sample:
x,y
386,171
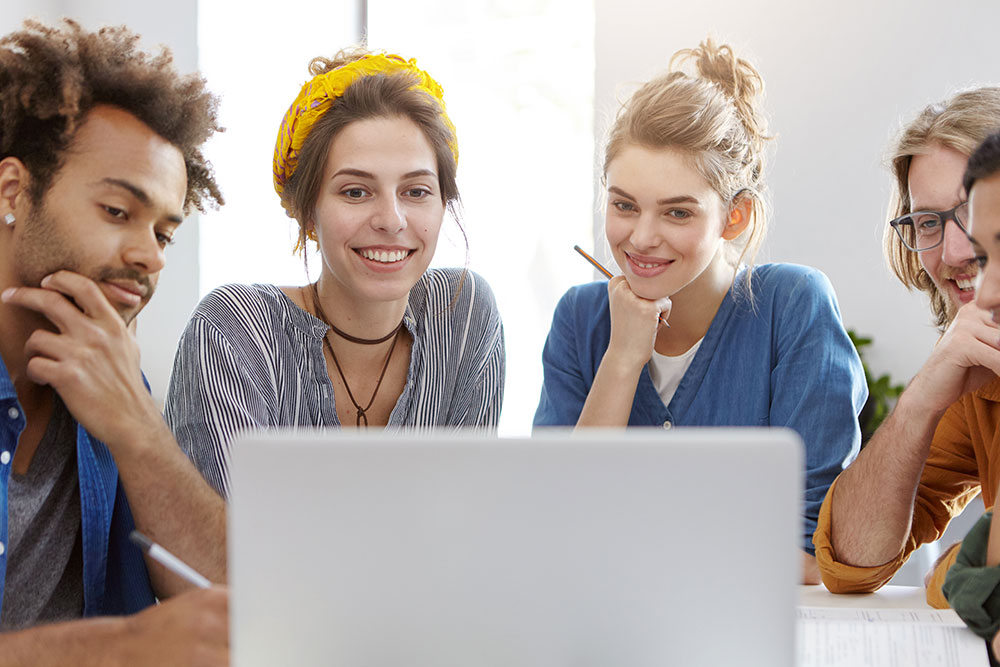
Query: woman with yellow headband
x,y
365,161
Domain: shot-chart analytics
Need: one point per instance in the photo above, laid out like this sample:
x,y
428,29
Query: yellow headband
x,y
319,93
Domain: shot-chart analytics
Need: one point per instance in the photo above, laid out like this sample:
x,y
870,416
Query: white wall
x,y
173,24
839,79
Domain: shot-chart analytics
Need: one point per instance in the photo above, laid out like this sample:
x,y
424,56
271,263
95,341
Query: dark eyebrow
x,y
348,171
620,192
680,199
139,194
977,247
420,172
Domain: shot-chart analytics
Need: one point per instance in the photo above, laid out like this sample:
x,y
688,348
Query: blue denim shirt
x,y
782,360
115,579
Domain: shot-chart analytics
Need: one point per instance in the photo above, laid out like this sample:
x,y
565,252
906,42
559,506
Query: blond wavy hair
x,y
961,123
713,112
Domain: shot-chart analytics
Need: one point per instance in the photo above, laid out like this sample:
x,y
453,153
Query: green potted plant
x,y
882,393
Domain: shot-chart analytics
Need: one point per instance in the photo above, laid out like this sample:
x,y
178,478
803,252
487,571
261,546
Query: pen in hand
x,y
607,274
168,560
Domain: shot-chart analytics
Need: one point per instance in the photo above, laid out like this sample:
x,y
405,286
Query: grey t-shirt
x,y
44,580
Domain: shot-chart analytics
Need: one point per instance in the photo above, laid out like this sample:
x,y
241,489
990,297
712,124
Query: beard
x,y
944,285
43,250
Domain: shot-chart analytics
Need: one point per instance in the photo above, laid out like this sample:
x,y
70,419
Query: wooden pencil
x,y
607,274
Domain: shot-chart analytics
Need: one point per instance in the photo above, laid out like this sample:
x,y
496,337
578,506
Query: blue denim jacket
x,y
115,579
784,360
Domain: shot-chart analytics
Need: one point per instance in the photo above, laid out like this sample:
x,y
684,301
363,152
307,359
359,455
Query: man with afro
x,y
100,161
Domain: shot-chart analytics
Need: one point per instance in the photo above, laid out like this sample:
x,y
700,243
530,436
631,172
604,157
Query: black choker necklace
x,y
344,334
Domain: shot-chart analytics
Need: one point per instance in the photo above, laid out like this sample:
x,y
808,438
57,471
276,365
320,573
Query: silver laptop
x,y
635,549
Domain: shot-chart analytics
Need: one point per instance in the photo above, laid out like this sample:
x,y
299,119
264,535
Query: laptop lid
x,y
454,550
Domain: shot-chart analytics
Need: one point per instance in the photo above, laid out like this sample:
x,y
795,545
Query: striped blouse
x,y
251,359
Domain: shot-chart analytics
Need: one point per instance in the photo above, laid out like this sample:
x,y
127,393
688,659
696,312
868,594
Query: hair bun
x,y
321,65
736,78
734,75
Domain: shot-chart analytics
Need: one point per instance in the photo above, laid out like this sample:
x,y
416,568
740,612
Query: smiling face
x,y
984,226
665,223
379,210
109,213
935,184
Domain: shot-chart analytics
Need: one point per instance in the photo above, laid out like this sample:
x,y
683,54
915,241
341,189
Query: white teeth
x,y
965,284
643,265
384,256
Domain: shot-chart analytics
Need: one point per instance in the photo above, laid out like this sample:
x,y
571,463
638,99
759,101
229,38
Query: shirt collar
x,y
7,392
990,391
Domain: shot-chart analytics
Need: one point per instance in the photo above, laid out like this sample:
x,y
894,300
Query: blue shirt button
x,y
13,412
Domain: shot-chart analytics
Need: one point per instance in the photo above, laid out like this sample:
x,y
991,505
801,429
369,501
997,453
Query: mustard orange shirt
x,y
964,459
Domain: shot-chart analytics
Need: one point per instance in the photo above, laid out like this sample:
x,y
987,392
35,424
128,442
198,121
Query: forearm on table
x,y
810,570
872,502
174,506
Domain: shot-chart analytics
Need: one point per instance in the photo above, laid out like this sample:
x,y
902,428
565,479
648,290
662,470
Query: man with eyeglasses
x,y
940,446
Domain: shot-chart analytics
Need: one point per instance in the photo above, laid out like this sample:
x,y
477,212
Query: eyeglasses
x,y
923,230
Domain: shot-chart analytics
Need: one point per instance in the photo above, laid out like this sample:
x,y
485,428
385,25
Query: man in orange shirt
x,y
933,454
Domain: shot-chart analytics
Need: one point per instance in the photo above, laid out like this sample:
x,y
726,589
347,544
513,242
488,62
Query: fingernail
x,y
8,293
46,280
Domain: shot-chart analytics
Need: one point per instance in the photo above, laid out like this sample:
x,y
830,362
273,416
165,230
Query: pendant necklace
x,y
362,416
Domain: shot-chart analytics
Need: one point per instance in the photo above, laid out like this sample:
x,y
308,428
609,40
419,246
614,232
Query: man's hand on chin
x,y
91,359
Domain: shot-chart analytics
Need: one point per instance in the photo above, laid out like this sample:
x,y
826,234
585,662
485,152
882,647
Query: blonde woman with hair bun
x,y
746,345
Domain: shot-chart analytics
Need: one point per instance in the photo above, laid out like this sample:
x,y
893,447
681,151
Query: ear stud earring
x,y
9,218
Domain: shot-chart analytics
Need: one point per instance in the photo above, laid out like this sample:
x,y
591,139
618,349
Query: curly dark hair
x,y
51,77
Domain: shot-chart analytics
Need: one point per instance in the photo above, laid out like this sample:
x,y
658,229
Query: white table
x,y
886,635
887,597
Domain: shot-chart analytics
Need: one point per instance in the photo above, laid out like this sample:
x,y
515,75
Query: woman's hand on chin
x,y
634,323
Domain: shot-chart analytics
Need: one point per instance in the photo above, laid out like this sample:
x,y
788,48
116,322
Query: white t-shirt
x,y
666,372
